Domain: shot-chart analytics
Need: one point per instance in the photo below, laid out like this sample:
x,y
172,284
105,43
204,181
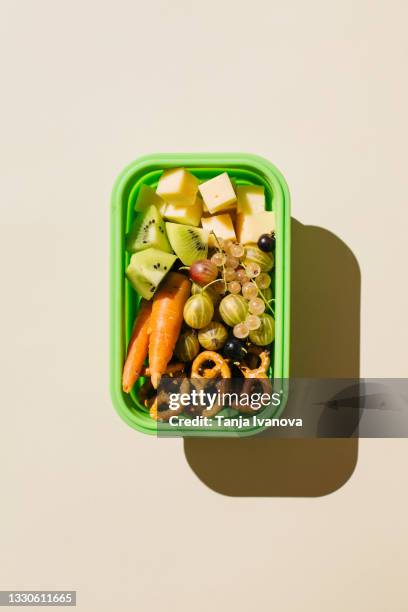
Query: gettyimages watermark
x,y
299,408
208,400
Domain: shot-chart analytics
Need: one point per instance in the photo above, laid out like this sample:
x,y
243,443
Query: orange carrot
x,y
138,346
165,323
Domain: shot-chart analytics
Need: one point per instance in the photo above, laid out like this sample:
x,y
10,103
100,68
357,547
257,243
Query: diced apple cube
x,y
250,227
222,227
218,193
251,199
146,197
187,215
178,186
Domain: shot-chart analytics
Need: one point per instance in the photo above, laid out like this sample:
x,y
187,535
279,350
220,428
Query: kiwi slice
x,y
147,232
147,269
188,242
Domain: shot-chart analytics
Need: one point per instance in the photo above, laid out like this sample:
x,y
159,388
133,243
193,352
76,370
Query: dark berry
x,y
266,242
234,349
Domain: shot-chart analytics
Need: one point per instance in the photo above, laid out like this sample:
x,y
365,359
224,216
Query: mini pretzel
x,y
209,386
219,369
146,393
262,369
254,374
163,415
248,387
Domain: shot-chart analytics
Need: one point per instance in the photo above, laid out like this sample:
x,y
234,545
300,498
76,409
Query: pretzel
x,y
256,375
208,385
261,385
146,393
219,369
262,369
163,415
200,374
173,370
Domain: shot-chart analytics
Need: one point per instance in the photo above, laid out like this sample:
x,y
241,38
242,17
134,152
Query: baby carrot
x,y
138,346
165,323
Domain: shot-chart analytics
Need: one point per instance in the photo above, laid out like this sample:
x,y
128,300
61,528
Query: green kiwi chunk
x,y
188,242
148,231
147,269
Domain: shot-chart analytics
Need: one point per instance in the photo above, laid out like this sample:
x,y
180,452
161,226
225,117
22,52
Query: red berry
x,y
203,272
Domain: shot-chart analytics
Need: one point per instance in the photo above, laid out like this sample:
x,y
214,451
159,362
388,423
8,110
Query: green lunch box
x,y
244,169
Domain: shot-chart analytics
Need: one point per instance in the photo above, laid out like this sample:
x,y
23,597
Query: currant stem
x,y
217,280
220,251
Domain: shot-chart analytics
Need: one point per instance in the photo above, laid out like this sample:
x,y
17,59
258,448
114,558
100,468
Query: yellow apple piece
x,y
250,227
222,227
187,215
146,197
218,193
178,186
250,199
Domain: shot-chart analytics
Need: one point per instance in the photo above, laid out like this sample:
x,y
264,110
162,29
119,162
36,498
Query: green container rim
x,y
125,182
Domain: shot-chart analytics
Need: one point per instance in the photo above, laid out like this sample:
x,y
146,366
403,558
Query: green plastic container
x,y
245,169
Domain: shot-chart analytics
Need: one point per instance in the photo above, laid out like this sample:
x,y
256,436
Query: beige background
x,y
318,87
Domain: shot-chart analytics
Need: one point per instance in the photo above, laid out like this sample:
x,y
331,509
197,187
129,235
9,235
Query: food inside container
x,y
200,286
202,258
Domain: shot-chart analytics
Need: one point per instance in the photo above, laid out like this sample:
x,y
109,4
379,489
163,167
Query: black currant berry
x,y
266,242
234,349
